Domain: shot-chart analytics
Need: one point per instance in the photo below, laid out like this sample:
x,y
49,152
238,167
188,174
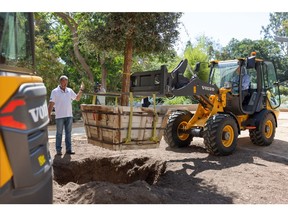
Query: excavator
x,y
224,108
25,161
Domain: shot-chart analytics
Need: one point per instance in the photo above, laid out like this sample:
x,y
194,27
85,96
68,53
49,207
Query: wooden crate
x,y
108,126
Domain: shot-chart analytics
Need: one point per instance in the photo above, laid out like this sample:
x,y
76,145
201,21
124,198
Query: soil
x,y
252,174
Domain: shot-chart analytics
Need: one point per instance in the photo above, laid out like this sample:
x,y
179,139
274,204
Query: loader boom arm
x,y
161,83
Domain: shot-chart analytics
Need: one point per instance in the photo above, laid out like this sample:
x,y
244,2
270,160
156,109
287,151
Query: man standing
x,y
61,98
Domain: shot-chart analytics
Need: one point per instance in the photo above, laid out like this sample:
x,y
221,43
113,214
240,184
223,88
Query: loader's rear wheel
x,y
264,134
174,134
220,134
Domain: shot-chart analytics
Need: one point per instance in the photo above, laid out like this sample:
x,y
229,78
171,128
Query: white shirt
x,y
63,102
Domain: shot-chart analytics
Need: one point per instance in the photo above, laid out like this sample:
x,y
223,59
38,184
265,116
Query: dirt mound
x,y
138,192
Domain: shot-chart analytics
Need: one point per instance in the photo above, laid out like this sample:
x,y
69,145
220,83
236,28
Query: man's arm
x,y
78,96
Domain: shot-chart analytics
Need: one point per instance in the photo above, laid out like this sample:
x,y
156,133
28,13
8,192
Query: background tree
x,y
265,49
138,33
204,50
276,27
73,26
47,61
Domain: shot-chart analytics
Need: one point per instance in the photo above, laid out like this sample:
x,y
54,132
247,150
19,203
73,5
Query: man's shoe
x,y
70,152
59,153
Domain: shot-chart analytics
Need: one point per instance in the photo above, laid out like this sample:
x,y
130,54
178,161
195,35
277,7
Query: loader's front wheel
x,y
220,134
175,134
264,133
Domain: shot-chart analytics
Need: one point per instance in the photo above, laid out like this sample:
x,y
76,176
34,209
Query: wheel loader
x,y
224,110
25,161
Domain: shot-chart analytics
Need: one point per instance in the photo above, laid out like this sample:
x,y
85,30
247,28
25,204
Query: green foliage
x,y
194,55
154,35
265,49
208,46
284,90
276,27
284,101
154,62
150,32
47,61
177,100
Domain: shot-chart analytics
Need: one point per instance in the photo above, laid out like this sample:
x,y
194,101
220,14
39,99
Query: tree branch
x,y
72,25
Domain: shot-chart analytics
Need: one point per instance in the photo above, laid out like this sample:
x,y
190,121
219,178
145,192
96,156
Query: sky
x,y
222,27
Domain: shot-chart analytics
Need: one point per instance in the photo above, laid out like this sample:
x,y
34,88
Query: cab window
x,y
15,40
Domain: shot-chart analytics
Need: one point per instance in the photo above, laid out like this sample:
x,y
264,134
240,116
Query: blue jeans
x,y
67,123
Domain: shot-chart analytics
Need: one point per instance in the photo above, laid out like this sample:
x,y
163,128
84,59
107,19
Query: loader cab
x,y
249,85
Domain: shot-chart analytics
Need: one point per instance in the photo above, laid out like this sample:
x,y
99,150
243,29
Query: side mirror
x,y
197,67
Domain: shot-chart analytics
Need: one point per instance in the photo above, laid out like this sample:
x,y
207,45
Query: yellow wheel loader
x,y
225,108
25,162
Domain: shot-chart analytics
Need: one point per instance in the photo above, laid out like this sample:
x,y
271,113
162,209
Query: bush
x,y
177,100
284,90
284,101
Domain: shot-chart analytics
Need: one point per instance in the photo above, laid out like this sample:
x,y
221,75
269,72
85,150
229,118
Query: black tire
x,y
220,134
172,134
264,133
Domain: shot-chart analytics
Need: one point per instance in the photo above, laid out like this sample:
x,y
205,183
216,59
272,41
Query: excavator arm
x,y
161,83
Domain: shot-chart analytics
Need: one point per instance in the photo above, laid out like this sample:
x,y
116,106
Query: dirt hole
x,y
114,169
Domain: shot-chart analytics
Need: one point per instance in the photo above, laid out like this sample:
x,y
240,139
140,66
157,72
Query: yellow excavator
x,y
25,162
225,108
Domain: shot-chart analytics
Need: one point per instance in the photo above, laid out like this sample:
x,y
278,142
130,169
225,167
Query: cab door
x,y
271,85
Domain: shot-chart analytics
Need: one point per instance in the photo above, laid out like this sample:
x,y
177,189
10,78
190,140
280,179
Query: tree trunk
x,y
73,26
104,72
76,63
126,72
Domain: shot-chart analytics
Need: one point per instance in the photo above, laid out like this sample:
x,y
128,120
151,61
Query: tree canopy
x,y
107,47
134,33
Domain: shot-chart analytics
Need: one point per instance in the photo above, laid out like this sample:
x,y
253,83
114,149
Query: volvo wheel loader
x,y
25,162
224,110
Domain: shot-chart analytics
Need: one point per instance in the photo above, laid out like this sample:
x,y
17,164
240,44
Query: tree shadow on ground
x,y
188,187
276,152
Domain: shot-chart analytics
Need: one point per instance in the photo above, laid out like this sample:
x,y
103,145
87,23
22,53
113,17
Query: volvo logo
x,y
207,88
39,112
